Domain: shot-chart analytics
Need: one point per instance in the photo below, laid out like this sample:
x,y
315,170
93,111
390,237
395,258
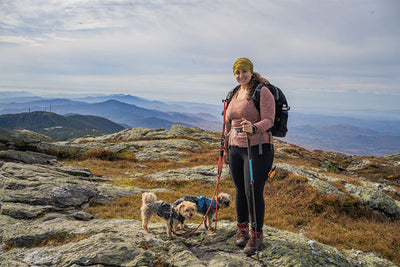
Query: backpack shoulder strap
x,y
256,96
230,95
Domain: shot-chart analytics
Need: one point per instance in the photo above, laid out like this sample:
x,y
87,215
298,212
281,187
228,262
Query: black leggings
x,y
239,168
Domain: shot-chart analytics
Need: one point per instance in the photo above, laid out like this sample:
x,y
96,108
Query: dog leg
x,y
209,222
182,226
146,217
169,231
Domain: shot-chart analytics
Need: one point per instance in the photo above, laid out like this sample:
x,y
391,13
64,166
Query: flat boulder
x,y
28,157
30,190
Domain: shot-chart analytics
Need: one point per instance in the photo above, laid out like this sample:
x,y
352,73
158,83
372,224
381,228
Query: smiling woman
x,y
246,129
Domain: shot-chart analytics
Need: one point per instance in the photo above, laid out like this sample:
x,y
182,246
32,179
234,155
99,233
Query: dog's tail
x,y
148,197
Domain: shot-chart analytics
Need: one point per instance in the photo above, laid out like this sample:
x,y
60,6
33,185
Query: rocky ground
x,y
43,200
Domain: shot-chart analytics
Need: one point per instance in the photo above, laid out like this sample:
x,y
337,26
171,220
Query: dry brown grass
x,y
374,172
108,155
291,203
117,168
129,206
342,222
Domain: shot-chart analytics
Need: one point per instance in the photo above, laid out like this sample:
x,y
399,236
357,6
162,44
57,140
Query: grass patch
x,y
375,172
118,168
129,206
63,153
332,168
102,154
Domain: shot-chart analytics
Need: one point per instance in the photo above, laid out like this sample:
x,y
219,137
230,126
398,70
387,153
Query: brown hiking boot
x,y
242,235
254,242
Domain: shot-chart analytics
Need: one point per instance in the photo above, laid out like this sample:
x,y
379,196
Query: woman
x,y
243,121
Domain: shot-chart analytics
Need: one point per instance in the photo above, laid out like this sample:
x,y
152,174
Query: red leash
x,y
215,195
220,165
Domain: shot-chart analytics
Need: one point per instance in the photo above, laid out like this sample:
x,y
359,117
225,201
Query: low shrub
x,y
63,153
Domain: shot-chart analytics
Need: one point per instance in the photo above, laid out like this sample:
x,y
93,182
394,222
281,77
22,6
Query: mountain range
x,y
59,127
344,138
346,134
123,113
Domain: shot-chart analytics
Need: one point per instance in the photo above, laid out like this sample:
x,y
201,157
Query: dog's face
x,y
187,209
224,200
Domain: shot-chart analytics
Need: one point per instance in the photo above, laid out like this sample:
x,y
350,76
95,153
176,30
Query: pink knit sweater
x,y
264,119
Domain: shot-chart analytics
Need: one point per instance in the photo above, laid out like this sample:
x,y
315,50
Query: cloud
x,y
152,47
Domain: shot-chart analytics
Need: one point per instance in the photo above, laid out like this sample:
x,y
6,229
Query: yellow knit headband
x,y
242,63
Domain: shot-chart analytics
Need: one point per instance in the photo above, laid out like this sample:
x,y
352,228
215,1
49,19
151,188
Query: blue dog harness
x,y
205,201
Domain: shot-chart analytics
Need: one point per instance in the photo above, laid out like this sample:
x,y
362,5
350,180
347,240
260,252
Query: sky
x,y
334,54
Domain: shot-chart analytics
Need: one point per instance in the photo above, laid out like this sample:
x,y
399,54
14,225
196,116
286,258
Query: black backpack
x,y
281,107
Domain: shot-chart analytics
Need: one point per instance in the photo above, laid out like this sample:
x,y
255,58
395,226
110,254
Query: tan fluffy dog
x,y
150,207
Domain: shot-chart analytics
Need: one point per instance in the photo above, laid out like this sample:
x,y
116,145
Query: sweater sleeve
x,y
267,110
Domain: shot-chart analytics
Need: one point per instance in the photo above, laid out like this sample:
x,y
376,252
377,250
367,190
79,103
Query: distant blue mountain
x,y
59,127
20,99
345,139
15,94
129,99
119,112
36,105
182,107
374,135
382,125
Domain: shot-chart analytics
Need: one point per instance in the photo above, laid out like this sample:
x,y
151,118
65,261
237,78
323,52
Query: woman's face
x,y
243,76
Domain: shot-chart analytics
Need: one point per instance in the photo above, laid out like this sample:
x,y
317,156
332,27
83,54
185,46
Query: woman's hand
x,y
246,126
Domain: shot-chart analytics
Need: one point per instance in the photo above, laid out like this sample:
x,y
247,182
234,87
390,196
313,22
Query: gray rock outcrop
x,y
122,242
21,138
205,174
373,197
27,157
43,220
30,190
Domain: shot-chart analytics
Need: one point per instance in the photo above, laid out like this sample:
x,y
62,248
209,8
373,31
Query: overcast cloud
x,y
184,50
